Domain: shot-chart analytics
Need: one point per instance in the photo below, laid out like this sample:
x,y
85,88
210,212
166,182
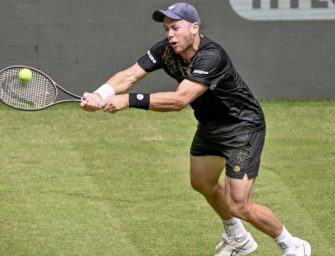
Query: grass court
x,y
78,183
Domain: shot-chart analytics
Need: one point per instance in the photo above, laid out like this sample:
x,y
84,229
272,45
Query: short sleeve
x,y
152,60
208,66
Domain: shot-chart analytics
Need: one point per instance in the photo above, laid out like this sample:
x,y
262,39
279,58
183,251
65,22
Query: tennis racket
x,y
39,93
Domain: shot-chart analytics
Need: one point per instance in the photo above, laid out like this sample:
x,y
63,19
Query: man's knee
x,y
239,210
238,196
205,172
199,185
204,187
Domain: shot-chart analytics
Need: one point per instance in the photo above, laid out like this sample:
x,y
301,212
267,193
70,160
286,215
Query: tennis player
x,y
231,126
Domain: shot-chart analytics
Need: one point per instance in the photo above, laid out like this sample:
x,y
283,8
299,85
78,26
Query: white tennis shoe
x,y
236,246
303,249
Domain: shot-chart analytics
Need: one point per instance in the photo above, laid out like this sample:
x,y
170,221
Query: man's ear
x,y
195,28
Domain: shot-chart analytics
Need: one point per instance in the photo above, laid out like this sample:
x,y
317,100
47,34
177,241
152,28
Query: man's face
x,y
180,34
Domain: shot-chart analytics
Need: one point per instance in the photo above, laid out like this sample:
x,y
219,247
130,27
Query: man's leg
x,y
205,175
238,198
234,199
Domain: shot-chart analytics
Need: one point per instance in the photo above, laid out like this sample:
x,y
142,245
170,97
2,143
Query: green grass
x,y
77,183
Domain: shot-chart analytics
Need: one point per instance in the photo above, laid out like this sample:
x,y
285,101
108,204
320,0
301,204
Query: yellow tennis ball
x,y
25,75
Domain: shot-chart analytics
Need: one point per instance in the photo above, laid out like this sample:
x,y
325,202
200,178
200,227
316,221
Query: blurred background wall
x,y
282,49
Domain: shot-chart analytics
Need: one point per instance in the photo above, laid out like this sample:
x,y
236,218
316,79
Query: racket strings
x,y
39,92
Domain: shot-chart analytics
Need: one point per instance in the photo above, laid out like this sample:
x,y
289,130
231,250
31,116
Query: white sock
x,y
285,240
234,227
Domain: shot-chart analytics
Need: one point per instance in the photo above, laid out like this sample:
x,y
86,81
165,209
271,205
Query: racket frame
x,y
76,98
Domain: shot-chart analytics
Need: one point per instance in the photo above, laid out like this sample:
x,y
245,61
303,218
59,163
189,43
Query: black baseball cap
x,y
178,11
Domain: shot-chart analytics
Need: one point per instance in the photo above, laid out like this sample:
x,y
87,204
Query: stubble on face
x,y
178,32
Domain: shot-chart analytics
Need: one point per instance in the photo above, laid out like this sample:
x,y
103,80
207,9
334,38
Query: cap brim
x,y
159,15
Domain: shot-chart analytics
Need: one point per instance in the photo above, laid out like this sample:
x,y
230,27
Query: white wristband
x,y
105,91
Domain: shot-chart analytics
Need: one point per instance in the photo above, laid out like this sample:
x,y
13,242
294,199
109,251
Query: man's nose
x,y
170,34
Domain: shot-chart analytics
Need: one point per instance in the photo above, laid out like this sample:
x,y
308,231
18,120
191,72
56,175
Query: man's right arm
x,y
122,81
119,83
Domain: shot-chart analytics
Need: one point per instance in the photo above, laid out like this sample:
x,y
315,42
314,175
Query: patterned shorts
x,y
242,152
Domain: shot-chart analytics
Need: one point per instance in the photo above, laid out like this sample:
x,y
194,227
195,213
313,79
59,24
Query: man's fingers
x,y
91,102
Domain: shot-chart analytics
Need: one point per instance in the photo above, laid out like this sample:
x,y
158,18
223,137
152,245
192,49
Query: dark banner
x,y
282,49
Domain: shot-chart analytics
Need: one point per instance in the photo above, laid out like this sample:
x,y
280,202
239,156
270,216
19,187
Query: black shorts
x,y
242,152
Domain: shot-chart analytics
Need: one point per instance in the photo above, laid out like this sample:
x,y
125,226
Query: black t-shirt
x,y
228,106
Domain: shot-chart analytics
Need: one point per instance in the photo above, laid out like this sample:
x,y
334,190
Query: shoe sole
x,y
242,253
307,248
250,250
239,252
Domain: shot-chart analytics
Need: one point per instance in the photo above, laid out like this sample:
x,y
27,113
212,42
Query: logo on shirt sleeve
x,y
200,72
151,57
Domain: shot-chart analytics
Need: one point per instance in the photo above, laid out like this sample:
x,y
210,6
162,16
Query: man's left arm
x,y
186,92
